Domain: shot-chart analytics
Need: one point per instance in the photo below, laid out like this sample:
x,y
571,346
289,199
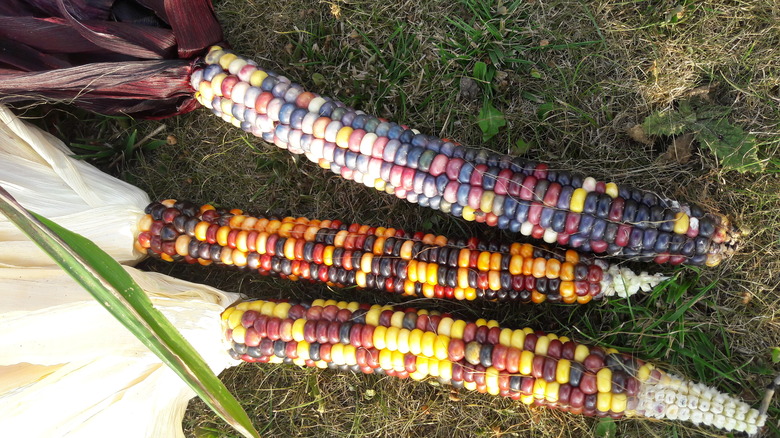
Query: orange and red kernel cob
x,y
380,258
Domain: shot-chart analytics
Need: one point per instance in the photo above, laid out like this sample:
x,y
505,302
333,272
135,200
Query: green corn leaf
x,y
113,287
490,120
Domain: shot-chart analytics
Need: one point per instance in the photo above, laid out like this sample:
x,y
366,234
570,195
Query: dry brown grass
x,y
640,62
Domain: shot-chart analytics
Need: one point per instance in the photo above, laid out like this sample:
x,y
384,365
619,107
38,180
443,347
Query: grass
x,y
571,78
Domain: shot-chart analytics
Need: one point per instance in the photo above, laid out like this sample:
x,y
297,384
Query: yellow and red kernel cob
x,y
526,365
380,258
499,190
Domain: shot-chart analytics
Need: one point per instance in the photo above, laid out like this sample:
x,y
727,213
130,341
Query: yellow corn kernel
x,y
303,350
415,342
681,223
398,361
238,334
469,213
459,293
256,305
526,363
518,339
386,359
350,357
551,393
445,326
282,310
427,342
285,228
441,346
257,77
603,401
380,334
342,137
457,329
422,365
562,371
397,320
540,388
411,271
297,329
463,278
391,338
611,189
577,203
433,367
403,340
227,312
409,288
644,373
268,308
226,59
486,202
445,369
360,279
464,257
604,380
234,320
491,381
542,343
327,255
505,337
216,83
581,352
619,403
432,274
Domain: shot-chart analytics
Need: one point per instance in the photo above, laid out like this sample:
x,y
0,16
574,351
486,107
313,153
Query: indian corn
x,y
511,193
380,258
526,365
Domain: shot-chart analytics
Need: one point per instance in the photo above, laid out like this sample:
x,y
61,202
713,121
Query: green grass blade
x,y
113,287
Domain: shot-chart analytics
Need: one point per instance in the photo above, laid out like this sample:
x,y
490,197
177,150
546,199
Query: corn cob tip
x,y
674,398
623,282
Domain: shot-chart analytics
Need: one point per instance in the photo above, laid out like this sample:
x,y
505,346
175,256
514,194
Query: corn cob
x,y
413,264
511,193
526,365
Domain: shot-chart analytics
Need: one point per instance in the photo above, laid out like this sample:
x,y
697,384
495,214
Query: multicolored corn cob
x,y
511,193
380,258
526,365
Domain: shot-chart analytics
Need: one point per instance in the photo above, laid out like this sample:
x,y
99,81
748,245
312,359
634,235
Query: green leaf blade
x,y
113,288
